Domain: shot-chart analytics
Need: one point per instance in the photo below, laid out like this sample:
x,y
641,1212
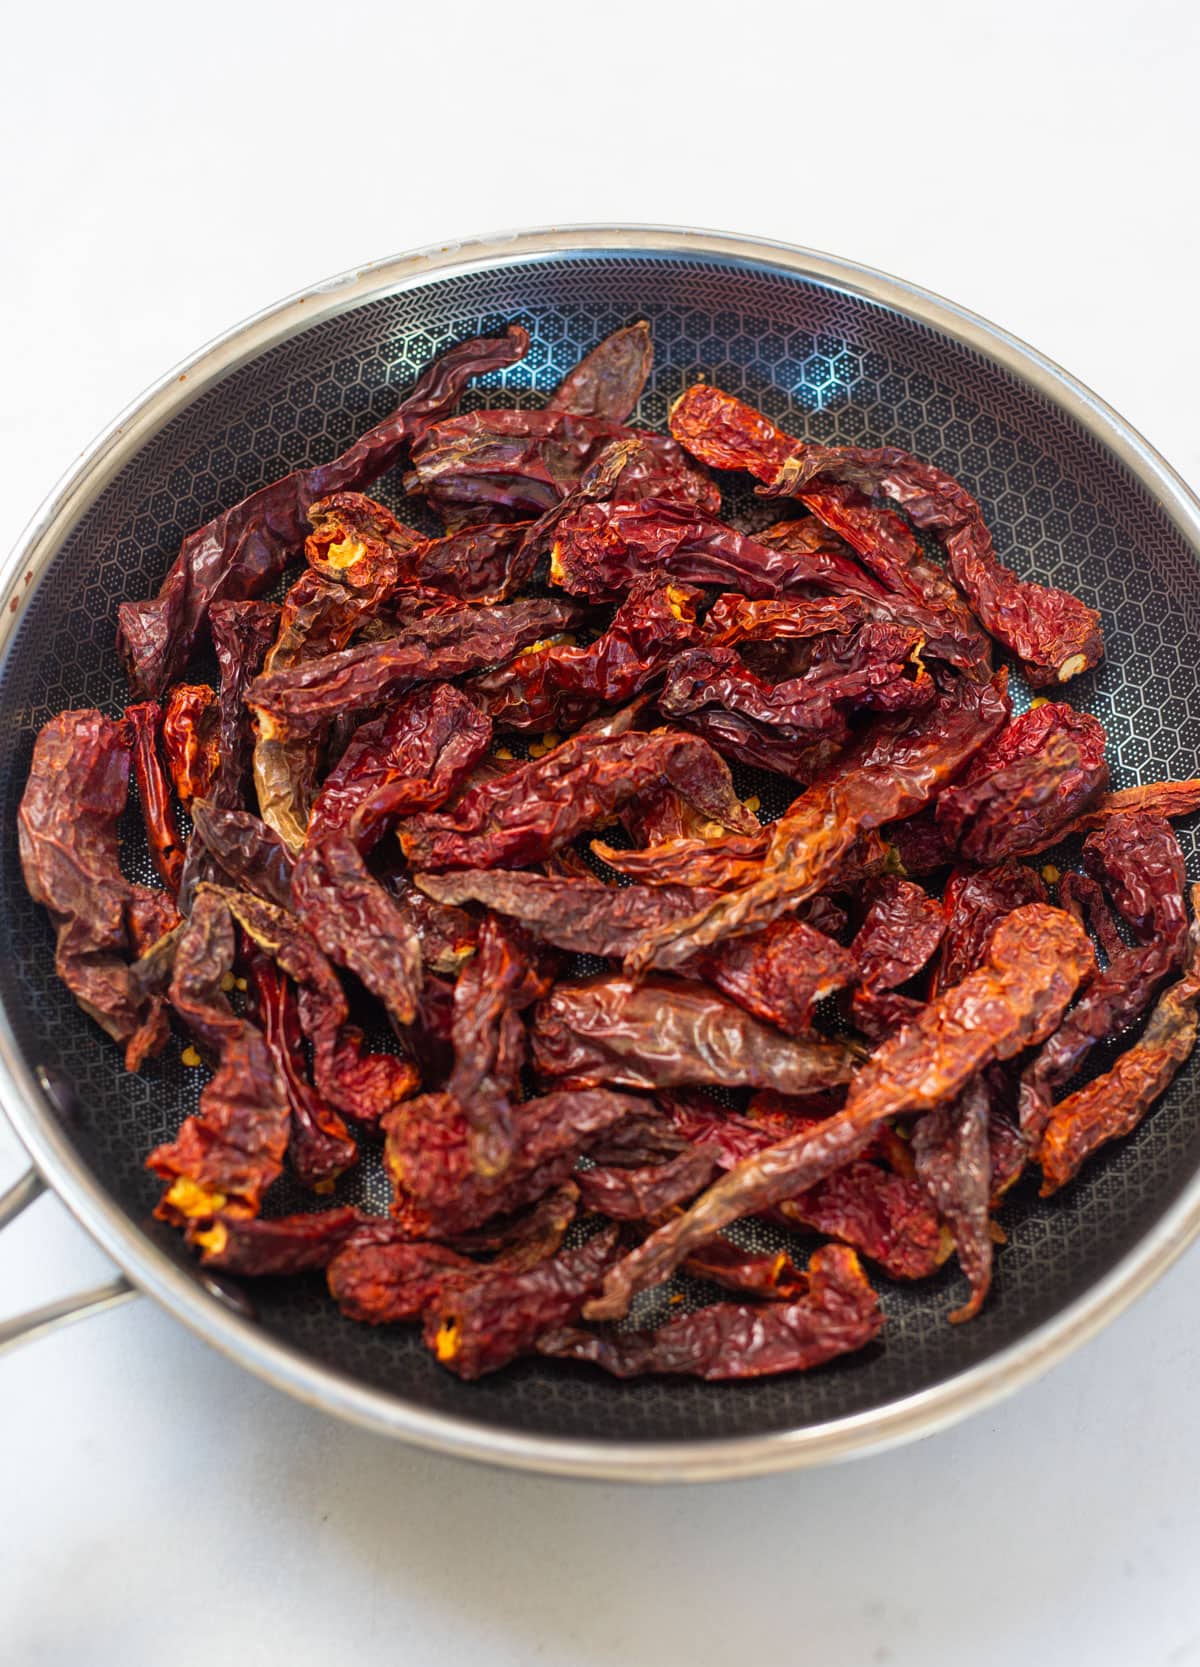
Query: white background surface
x,y
167,171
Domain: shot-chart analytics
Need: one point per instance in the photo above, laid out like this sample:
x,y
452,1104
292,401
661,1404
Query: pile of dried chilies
x,y
356,807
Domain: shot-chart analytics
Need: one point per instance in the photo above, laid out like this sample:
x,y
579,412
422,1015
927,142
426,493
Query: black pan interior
x,y
827,365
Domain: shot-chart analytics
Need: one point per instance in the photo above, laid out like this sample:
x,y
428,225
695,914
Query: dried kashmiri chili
x,y
226,1156
446,935
524,815
242,634
241,551
1084,899
363,1086
1112,1105
900,931
557,686
778,974
736,619
358,924
643,1192
320,1146
478,1323
385,1282
1036,959
67,828
838,1313
1028,784
191,740
722,863
608,382
253,1247
500,981
898,765
300,702
759,1273
158,813
244,852
953,1157
1054,634
358,542
428,1155
1140,859
662,1034
410,759
973,903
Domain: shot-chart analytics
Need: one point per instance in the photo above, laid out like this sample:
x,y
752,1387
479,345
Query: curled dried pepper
x,y
358,924
320,1146
246,853
662,1034
1140,859
438,1193
410,759
739,619
242,635
479,1323
1112,1105
557,686
953,1158
241,551
1084,898
896,767
1054,634
191,739
759,1273
522,816
158,813
608,382
299,702
780,973
641,1193
67,829
900,931
1036,959
972,904
254,1247
226,1156
838,1313
384,1282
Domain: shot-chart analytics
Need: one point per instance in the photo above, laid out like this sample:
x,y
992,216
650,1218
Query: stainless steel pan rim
x,y
153,1272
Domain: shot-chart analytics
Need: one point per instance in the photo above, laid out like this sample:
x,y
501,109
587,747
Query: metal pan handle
x,y
22,1328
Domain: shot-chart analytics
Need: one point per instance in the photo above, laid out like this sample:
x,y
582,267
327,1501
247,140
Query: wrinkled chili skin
x,y
358,924
641,1193
67,830
225,1157
242,634
247,853
758,1273
662,1034
838,1314
1140,860
900,931
320,1146
427,1154
780,973
1084,898
558,686
898,765
953,1159
158,812
1036,959
480,1323
191,740
973,902
285,1245
1111,1106
239,553
1053,633
299,702
607,382
994,811
521,817
358,542
385,1282
410,759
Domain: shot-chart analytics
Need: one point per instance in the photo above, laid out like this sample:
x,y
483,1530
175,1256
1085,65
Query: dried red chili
x,y
227,1155
158,813
241,551
1112,1105
67,829
245,852
838,1314
900,931
1084,899
253,1247
191,741
242,635
897,766
760,1273
1036,960
608,382
953,1158
524,815
973,903
662,1034
358,924
641,1193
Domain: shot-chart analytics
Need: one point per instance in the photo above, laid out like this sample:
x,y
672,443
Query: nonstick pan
x,y
835,353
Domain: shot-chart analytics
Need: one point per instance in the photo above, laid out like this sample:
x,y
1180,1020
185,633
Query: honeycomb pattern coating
x,y
826,365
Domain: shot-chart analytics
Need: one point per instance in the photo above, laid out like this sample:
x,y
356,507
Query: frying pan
x,y
834,352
